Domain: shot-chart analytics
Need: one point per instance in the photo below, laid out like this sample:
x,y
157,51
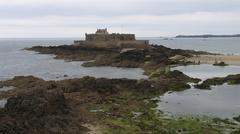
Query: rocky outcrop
x,y
220,64
52,107
38,111
237,118
173,80
153,55
230,79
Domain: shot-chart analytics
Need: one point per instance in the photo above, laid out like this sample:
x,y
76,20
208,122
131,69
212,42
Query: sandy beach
x,y
211,59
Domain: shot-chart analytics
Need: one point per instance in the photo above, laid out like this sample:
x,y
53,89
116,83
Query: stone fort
x,y
103,35
102,38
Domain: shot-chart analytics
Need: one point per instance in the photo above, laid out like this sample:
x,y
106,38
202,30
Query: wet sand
x,y
211,59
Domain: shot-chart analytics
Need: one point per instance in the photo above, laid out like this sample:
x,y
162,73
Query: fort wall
x,y
110,37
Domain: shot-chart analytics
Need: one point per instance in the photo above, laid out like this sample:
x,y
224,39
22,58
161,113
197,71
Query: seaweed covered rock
x,y
173,80
23,81
105,86
38,103
176,76
230,79
136,55
50,107
237,118
37,112
202,86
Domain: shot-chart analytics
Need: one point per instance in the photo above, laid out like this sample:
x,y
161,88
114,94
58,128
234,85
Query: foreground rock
x,y
38,111
47,107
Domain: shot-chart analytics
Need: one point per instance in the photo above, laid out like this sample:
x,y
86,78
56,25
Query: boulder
x,y
36,112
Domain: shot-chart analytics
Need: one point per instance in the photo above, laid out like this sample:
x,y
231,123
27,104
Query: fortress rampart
x,y
110,37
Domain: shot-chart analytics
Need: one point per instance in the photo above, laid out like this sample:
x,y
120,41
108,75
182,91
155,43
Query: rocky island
x,y
119,50
91,105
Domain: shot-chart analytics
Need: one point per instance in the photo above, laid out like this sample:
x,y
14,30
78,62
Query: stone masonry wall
x,y
110,37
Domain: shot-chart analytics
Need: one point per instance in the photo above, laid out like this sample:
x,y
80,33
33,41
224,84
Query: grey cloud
x,y
71,18
119,8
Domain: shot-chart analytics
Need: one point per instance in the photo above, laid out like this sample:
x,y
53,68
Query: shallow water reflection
x,y
4,88
205,71
3,102
222,101
17,62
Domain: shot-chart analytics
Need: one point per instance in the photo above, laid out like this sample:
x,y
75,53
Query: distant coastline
x,y
207,36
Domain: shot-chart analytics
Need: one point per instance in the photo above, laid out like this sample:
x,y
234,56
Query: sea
x,y
221,101
214,45
15,61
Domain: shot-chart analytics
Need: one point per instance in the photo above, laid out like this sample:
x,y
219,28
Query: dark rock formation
x,y
237,118
38,111
153,55
51,107
220,64
230,79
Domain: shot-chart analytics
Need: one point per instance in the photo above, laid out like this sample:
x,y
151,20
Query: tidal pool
x,y
3,102
222,101
205,71
4,88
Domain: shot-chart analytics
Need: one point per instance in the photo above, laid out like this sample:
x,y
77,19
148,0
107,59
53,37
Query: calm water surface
x,y
206,71
16,62
3,103
215,45
222,101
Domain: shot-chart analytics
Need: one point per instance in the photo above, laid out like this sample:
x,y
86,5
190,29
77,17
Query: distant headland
x,y
207,36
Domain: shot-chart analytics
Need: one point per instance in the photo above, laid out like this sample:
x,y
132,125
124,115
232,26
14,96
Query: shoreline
x,y
211,59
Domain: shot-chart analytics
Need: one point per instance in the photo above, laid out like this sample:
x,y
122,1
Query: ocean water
x,y
222,101
215,45
14,61
206,71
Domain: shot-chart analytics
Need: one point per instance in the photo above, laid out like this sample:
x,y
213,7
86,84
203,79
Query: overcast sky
x,y
146,18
